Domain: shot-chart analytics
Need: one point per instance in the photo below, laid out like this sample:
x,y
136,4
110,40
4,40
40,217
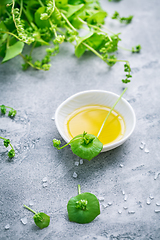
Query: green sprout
x,y
83,208
12,112
50,23
41,219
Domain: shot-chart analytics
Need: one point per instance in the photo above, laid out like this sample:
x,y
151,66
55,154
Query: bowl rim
x,y
106,147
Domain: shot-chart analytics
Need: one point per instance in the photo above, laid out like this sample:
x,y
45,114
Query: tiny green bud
x,y
3,109
6,142
12,113
56,143
11,153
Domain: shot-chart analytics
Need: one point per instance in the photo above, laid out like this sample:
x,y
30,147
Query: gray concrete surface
x,y
126,177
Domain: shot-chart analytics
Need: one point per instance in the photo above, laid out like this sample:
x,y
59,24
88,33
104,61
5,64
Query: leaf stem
x,y
6,139
29,209
93,26
93,50
41,3
79,189
125,49
72,140
68,22
110,112
33,66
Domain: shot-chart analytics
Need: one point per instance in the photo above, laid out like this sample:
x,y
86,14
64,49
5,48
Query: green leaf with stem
x,y
87,146
39,22
41,219
12,111
7,143
13,51
83,208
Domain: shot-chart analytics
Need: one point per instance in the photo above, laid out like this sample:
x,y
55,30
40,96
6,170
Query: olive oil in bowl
x,y
90,119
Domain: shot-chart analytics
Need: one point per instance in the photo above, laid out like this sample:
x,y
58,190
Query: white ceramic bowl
x,y
99,97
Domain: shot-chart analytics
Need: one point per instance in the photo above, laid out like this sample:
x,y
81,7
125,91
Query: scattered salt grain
x,y
7,226
142,145
101,198
157,211
31,203
125,198
125,207
148,201
146,150
151,197
156,175
45,184
76,163
110,203
24,220
131,212
81,161
44,179
75,175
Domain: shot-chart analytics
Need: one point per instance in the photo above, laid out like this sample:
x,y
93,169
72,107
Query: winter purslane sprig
x,y
12,112
50,23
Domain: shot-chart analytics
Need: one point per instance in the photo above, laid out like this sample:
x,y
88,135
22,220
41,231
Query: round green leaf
x,y
83,150
41,23
97,17
41,219
13,51
87,215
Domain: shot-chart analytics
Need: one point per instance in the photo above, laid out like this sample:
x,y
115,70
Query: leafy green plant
x,y
12,112
125,20
50,23
87,146
83,208
41,219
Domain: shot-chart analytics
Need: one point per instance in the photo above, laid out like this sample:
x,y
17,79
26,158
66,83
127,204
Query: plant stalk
x,y
29,209
79,189
110,112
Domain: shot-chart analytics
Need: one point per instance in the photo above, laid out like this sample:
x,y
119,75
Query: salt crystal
x,y
81,161
7,226
31,203
44,184
151,197
157,211
119,211
125,198
110,203
76,163
142,145
156,175
75,175
45,179
148,201
101,198
131,212
121,165
104,205
123,192
24,220
157,204
125,207
53,118
146,150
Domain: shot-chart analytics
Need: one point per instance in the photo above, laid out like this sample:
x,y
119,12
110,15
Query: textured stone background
x,y
126,177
